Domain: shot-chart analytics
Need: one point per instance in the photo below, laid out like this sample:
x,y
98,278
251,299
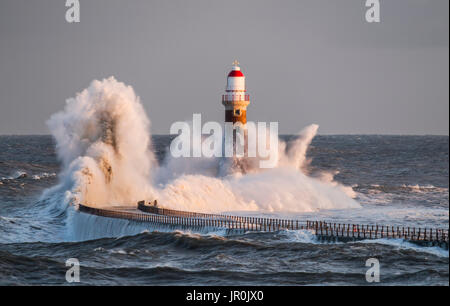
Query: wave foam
x,y
103,141
403,244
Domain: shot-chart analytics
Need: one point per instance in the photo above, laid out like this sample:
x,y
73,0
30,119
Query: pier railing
x,y
187,214
325,230
359,231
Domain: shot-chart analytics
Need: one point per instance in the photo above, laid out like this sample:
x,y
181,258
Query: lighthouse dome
x,y
236,79
236,73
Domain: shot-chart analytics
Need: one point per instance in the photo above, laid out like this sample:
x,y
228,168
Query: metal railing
x,y
323,229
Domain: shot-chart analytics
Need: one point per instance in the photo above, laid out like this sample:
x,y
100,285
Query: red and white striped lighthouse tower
x,y
235,98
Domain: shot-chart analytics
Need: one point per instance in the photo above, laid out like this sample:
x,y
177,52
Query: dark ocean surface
x,y
400,180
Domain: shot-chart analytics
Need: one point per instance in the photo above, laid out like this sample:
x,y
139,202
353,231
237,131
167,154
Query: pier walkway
x,y
325,231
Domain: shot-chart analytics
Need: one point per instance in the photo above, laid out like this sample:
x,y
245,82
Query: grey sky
x,y
306,61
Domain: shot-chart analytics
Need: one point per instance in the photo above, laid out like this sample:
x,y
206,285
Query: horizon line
x,y
281,134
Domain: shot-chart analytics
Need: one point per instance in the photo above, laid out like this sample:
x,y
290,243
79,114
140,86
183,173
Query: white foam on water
x,y
103,142
16,175
302,236
403,244
43,175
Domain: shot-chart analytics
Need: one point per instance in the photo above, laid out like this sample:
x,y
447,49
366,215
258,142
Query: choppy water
x,y
399,180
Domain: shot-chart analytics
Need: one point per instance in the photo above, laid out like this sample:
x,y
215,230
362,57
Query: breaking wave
x,y
103,142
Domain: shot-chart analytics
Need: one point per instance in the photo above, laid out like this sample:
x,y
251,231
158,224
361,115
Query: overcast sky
x,y
306,61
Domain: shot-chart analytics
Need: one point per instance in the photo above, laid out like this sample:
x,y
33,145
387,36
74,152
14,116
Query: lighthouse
x,y
236,98
236,101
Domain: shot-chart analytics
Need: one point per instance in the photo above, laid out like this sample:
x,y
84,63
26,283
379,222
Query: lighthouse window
x,y
237,112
